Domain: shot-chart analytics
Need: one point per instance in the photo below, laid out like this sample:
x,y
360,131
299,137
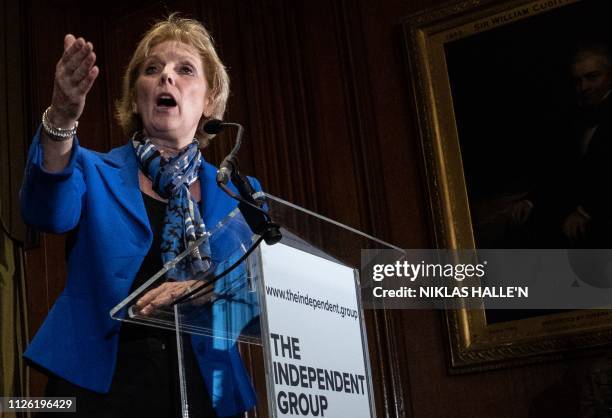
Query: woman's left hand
x,y
165,294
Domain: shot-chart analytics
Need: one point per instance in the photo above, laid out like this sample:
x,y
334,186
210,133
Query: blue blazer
x,y
100,194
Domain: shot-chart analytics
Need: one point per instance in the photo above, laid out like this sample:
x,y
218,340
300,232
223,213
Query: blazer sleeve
x,y
255,183
52,202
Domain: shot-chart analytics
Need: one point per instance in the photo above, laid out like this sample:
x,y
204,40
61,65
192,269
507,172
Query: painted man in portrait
x,y
572,206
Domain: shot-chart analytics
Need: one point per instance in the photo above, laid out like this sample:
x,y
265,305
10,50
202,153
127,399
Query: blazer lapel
x,y
119,170
208,190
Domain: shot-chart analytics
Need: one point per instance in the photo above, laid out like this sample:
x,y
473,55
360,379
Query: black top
x,y
152,263
156,210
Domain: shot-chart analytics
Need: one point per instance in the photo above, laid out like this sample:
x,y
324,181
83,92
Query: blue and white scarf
x,y
183,223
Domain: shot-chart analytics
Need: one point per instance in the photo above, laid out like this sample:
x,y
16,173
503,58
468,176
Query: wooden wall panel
x,y
13,111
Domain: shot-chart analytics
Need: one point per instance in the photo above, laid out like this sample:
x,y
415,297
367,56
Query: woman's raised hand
x,y
75,73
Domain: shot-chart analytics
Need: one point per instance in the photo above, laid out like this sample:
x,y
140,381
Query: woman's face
x,y
172,93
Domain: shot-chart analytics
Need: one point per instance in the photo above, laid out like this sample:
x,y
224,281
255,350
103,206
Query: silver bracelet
x,y
57,134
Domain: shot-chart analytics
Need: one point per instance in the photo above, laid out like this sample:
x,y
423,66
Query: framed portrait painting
x,y
499,96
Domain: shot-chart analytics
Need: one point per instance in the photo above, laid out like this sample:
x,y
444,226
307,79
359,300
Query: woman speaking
x,y
131,210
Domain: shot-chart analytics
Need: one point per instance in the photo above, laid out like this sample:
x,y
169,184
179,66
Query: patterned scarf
x,y
183,223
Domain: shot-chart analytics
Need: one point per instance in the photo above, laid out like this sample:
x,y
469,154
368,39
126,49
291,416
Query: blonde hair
x,y
187,31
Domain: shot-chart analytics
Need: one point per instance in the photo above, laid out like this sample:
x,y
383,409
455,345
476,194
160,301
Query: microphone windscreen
x,y
213,126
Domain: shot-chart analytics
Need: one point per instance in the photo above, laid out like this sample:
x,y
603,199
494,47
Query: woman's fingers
x,y
75,74
163,295
83,69
149,296
68,60
68,40
76,61
86,83
154,298
76,58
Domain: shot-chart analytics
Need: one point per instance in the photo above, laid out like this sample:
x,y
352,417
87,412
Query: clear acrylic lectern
x,y
227,303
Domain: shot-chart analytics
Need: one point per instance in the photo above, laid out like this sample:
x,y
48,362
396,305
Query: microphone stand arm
x,y
252,210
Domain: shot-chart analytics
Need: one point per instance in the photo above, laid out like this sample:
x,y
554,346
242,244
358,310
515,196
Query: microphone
x,y
252,210
229,163
213,126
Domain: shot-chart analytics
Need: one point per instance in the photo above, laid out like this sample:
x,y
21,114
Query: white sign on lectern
x,y
316,353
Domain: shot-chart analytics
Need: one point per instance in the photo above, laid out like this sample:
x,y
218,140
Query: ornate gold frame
x,y
474,344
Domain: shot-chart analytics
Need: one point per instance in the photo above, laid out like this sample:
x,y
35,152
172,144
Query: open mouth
x,y
165,100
